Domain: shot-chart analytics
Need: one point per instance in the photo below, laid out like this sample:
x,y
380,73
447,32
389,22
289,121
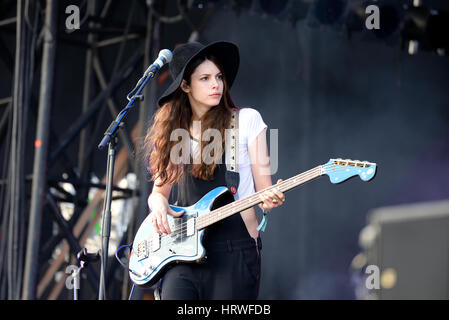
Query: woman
x,y
198,100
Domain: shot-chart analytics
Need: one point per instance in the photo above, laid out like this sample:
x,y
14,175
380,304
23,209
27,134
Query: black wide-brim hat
x,y
226,52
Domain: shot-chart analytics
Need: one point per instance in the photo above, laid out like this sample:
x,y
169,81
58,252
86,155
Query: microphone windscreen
x,y
166,54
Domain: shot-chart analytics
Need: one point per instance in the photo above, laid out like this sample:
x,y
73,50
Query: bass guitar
x,y
152,254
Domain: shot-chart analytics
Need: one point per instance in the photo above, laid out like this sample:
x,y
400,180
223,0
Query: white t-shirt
x,y
250,126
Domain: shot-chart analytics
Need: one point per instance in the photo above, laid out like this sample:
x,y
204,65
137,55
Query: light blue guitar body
x,y
151,252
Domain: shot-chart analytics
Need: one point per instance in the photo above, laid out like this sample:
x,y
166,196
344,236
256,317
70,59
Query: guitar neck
x,y
252,200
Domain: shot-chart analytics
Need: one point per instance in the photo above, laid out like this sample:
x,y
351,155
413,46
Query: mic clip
x,y
84,257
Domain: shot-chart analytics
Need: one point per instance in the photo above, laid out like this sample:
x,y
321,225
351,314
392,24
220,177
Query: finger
x,y
279,195
265,201
165,226
159,224
175,213
268,203
153,221
271,200
272,196
278,192
262,197
265,206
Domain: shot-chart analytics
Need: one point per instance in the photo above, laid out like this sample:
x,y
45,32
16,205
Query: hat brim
x,y
226,52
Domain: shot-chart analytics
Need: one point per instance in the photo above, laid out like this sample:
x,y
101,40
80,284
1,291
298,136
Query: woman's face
x,y
206,85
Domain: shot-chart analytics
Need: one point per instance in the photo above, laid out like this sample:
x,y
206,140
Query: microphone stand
x,y
110,139
84,258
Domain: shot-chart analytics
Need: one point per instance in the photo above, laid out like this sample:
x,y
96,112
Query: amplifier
x,y
408,246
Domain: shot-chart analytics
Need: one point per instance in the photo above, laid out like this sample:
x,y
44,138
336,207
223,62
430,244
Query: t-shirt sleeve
x,y
252,123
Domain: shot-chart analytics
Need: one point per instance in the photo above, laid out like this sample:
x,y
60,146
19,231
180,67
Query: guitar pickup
x,y
142,250
155,242
191,227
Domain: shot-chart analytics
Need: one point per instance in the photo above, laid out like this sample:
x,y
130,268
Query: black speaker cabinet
x,y
409,246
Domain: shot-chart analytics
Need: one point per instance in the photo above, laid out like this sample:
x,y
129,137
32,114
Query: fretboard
x,y
254,199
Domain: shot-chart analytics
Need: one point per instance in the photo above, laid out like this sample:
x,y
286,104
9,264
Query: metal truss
x,y
34,265
39,237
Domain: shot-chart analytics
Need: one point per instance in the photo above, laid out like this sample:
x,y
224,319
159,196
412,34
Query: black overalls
x,y
232,267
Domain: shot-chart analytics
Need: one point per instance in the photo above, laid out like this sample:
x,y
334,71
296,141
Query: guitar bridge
x,y
142,250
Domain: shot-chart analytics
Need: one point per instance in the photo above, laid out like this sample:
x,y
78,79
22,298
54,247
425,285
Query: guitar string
x,y
180,230
285,183
183,227
229,208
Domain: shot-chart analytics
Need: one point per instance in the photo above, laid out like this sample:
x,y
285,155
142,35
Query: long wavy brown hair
x,y
177,113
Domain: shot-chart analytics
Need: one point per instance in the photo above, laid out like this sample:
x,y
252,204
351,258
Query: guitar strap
x,y
231,158
232,176
232,152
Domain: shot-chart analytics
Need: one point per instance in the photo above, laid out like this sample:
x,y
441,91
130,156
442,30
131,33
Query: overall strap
x,y
232,152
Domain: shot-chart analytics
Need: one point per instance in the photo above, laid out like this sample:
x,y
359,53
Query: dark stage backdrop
x,y
333,97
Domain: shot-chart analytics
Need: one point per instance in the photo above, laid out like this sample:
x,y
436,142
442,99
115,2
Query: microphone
x,y
165,56
83,255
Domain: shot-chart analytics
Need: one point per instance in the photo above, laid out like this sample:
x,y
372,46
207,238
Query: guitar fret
x,y
145,271
252,200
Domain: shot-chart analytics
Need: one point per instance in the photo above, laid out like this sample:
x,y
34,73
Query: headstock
x,y
340,170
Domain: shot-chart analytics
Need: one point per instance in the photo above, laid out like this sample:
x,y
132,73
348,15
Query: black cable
x,y
120,261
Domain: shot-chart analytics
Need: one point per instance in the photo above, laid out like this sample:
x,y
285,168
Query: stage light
x,y
425,29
